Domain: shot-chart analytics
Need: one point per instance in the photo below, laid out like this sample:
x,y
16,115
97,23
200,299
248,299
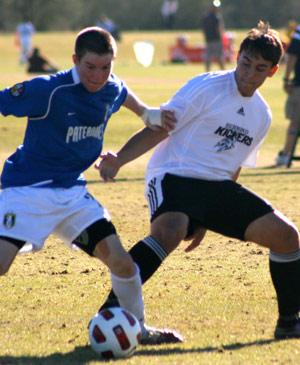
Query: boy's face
x,y
94,69
251,72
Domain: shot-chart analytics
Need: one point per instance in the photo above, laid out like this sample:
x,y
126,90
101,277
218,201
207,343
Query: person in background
x,y
39,64
213,29
291,28
178,52
291,85
24,33
109,25
169,9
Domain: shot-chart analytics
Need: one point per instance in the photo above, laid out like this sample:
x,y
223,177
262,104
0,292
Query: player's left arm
x,y
153,118
137,145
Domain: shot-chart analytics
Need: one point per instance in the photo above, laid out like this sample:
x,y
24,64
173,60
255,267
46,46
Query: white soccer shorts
x,y
32,214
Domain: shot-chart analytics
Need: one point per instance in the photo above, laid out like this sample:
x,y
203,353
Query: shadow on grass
x,y
259,171
124,179
84,354
271,171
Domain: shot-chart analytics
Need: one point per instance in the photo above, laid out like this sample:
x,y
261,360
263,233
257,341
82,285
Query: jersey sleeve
x,y
28,98
187,103
121,92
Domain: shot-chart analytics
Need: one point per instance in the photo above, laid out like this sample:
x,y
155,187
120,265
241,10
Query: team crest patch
x,y
82,239
18,89
9,220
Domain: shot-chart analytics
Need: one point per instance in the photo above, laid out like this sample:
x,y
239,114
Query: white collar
x,y
75,75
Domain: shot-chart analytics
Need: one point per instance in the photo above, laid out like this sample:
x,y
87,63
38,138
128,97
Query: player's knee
x,y
287,240
92,235
169,229
292,237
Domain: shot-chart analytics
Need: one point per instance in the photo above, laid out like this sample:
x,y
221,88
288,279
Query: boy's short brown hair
x,y
96,40
263,41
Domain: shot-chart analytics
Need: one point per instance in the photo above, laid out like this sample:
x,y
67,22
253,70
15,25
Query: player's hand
x,y
108,166
168,120
196,238
157,119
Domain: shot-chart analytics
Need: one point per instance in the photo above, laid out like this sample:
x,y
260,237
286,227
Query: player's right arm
x,y
25,99
137,145
196,239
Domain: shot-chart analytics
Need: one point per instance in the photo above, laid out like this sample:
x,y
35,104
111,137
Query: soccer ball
x,y
114,333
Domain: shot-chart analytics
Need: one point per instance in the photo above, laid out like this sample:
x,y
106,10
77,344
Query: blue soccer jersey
x,y
65,128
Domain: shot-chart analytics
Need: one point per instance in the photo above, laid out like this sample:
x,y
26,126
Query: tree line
x,y
141,14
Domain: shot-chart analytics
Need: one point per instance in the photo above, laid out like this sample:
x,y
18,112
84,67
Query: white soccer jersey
x,y
218,130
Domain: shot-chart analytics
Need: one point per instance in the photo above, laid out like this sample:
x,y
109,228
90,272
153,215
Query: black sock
x,y
286,280
148,254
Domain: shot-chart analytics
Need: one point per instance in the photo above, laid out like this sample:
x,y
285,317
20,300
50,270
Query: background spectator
x,y
24,33
178,52
39,64
213,28
168,11
291,85
109,25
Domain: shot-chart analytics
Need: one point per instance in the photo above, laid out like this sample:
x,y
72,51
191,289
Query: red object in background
x,y
181,52
17,40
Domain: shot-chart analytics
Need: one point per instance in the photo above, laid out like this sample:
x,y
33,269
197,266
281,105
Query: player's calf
x,y
285,274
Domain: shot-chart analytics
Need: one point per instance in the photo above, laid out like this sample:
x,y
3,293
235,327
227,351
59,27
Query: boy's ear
x,y
75,59
273,70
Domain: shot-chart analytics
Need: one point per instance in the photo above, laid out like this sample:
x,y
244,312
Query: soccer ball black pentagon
x,y
114,333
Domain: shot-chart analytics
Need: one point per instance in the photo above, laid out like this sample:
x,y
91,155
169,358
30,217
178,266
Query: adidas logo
x,y
241,111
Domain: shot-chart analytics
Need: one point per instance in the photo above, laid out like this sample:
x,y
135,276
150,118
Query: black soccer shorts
x,y
225,207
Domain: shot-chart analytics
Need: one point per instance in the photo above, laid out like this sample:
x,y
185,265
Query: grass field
x,y
219,296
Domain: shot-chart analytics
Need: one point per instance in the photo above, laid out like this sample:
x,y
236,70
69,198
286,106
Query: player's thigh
x,y
274,231
8,252
86,223
224,207
29,214
169,229
111,252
